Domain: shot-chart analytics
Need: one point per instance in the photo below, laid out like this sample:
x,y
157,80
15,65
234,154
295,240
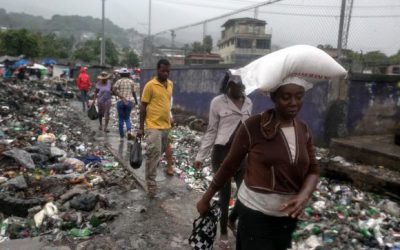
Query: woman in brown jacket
x,y
281,172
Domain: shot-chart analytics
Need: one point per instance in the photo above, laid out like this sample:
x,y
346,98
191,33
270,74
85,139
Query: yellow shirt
x,y
158,99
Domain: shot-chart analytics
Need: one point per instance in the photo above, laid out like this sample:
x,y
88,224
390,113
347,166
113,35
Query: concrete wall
x,y
371,104
195,87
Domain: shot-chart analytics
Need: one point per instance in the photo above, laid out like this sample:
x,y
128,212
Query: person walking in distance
x,y
102,95
124,88
155,113
83,84
227,112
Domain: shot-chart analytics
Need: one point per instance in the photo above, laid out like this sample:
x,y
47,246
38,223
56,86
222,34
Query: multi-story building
x,y
244,40
198,58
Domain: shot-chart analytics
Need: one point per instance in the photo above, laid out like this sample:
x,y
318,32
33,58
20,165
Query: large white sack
x,y
303,61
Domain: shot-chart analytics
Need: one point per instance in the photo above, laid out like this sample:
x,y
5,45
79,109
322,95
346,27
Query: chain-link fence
x,y
370,32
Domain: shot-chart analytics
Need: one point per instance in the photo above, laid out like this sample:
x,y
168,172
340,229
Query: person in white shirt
x,y
227,111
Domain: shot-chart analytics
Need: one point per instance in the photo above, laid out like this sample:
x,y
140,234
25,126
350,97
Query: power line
x,y
280,4
278,12
223,16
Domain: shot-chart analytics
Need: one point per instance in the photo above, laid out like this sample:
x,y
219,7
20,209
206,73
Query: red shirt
x,y
83,80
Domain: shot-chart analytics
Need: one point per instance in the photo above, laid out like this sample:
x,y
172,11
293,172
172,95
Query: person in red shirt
x,y
83,84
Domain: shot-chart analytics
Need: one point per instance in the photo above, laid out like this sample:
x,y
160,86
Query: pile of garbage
x,y
53,178
339,216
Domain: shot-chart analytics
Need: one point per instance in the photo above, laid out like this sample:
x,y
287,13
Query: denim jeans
x,y
84,98
124,115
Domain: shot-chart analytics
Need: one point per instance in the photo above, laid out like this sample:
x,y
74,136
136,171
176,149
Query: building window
x,y
396,70
263,44
244,43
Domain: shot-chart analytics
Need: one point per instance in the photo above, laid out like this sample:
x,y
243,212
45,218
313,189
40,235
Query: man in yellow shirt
x,y
155,112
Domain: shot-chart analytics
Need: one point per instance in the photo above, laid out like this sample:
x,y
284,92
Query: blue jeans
x,y
84,98
124,115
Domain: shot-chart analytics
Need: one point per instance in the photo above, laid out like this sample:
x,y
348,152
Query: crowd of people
x,y
155,111
270,155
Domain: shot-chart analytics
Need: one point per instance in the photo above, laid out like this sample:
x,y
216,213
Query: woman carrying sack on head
x,y
281,171
103,95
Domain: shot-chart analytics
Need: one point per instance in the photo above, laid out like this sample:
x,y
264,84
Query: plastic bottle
x,y
3,227
76,232
365,232
308,211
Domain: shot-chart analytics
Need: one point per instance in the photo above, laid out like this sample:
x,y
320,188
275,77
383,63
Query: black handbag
x,y
205,229
92,113
136,157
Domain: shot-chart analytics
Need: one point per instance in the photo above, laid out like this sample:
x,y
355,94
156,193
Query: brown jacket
x,y
269,165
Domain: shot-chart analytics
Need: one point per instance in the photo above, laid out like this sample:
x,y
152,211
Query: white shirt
x,y
268,204
291,140
223,120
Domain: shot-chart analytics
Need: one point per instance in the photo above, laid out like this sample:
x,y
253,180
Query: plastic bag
x,y
47,138
92,113
20,156
135,158
302,61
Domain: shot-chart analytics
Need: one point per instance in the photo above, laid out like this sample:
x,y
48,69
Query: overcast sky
x,y
375,24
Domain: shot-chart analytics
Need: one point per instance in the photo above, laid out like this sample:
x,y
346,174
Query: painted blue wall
x,y
194,89
373,103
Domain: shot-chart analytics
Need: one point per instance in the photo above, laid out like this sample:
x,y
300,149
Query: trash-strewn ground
x,y
59,182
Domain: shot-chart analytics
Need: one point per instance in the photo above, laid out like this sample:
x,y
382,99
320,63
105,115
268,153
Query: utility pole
x,y
147,45
149,27
103,39
341,22
256,13
204,36
173,35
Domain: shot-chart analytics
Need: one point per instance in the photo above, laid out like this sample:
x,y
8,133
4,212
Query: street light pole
x,y
103,40
147,44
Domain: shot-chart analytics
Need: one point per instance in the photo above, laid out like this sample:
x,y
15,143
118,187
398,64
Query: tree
x,y
207,44
131,58
20,42
375,57
395,59
55,46
112,53
89,51
197,47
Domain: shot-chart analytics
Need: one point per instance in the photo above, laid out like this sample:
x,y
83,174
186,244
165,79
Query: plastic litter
x,y
49,210
47,138
18,182
85,202
20,156
80,233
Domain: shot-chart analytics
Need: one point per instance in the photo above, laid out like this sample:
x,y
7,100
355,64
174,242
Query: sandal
x,y
232,226
106,130
224,244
